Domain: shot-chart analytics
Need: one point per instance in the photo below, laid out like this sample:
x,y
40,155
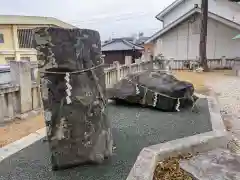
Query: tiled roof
x,y
120,45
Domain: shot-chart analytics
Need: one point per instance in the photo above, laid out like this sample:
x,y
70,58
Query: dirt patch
x,y
17,129
199,80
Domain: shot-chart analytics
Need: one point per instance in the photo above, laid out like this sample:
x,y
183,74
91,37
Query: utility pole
x,y
203,36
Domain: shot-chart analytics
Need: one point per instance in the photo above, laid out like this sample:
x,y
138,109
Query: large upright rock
x,y
78,128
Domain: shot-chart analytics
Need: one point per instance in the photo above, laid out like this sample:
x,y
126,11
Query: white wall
x,y
183,43
157,47
180,42
226,9
219,41
179,11
222,8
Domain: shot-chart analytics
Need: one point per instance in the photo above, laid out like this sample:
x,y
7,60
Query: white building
x,y
180,36
15,37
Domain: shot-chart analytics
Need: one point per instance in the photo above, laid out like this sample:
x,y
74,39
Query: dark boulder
x,y
74,98
156,89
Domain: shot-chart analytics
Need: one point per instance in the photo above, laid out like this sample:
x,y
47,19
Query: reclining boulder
x,y
156,89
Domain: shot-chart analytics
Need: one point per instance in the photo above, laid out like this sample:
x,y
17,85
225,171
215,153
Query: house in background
x,y
15,35
121,50
180,36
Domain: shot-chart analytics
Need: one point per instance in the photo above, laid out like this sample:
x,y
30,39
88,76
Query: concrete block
x,y
35,98
1,108
21,76
10,105
16,102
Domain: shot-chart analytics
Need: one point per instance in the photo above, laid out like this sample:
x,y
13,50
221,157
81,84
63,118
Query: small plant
x,y
169,169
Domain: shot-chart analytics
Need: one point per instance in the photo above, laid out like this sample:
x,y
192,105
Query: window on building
x,y
8,59
1,38
25,58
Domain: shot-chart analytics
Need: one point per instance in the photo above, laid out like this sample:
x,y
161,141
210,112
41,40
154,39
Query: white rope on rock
x,y
155,99
178,105
137,90
69,88
156,94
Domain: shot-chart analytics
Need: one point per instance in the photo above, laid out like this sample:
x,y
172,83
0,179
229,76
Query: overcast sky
x,y
115,18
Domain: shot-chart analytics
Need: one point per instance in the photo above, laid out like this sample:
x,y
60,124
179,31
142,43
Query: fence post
x,y
1,108
10,105
117,65
224,62
21,76
151,63
36,92
171,64
130,68
139,65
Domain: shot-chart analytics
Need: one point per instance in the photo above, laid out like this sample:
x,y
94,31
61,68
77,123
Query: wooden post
x,y
203,35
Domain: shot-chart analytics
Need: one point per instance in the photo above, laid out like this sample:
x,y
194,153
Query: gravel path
x,y
227,90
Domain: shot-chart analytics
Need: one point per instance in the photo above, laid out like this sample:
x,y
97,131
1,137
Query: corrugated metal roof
x,y
120,45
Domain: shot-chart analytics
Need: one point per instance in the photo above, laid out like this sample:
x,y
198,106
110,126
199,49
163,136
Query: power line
x,y
116,18
112,16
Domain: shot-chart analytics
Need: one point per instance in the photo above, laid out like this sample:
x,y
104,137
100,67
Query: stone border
x,y
20,144
146,162
27,115
30,114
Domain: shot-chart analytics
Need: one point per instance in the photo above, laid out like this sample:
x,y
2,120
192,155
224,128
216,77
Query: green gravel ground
x,y
133,129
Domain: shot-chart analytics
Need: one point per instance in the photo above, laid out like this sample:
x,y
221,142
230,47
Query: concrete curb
x,y
20,144
146,162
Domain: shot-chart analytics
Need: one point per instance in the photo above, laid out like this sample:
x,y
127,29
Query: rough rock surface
x,y
156,89
74,103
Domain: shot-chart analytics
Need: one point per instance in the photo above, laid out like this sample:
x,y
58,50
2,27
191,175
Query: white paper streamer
x,y
155,98
137,90
178,105
69,88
